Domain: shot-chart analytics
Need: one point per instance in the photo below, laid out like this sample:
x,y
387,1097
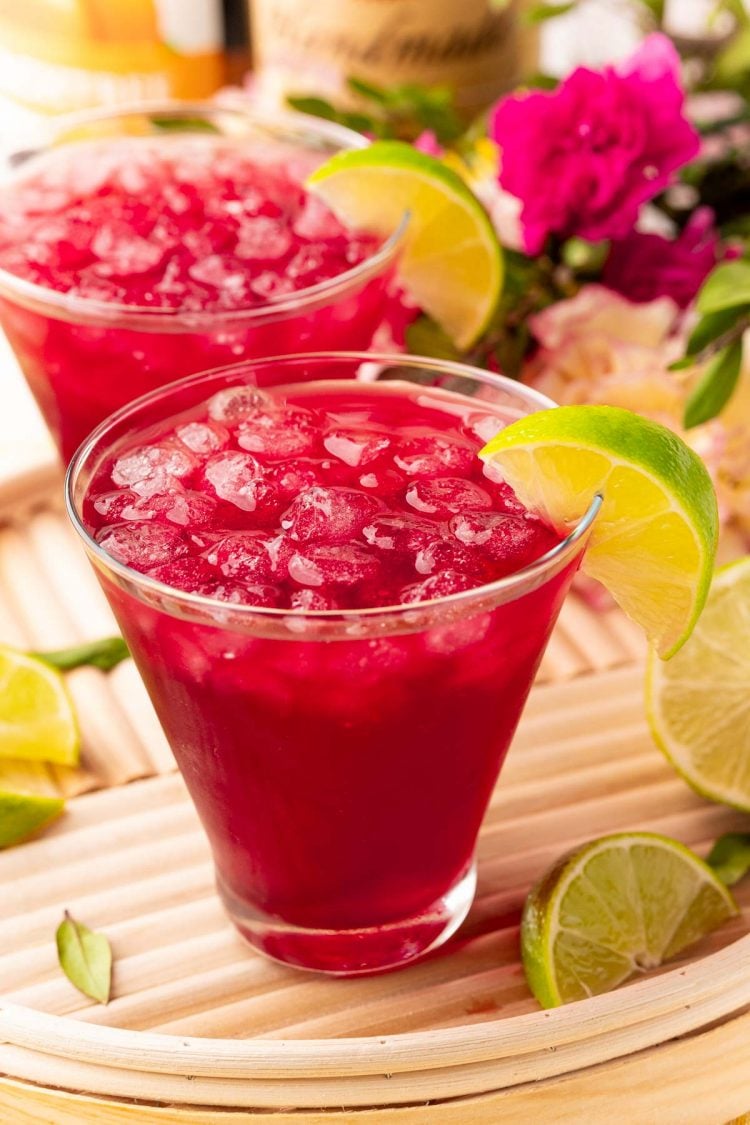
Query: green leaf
x,y
367,90
425,337
709,328
714,390
317,107
682,364
730,857
726,287
656,8
541,12
85,957
104,655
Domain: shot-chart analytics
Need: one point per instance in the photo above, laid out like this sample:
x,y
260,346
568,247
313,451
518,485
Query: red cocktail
x,y
338,616
146,246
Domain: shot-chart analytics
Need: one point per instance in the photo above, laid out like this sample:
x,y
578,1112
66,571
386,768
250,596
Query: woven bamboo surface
x,y
198,1019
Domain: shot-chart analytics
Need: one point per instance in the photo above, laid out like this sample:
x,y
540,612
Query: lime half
x,y
698,705
615,907
28,800
451,263
36,715
653,544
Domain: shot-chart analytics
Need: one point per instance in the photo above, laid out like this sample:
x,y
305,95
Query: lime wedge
x,y
698,705
653,544
451,263
36,715
28,800
615,907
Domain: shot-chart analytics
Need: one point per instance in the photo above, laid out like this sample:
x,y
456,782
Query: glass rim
x,y
91,310
505,589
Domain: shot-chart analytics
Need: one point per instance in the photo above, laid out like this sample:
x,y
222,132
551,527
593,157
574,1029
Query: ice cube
x,y
330,515
324,565
261,239
153,468
203,437
430,456
122,253
143,546
243,556
184,508
233,404
440,585
448,554
188,574
505,539
316,222
288,431
237,478
443,496
401,533
356,447
312,601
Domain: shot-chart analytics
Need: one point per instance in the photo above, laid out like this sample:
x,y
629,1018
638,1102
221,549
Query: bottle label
x,y
474,46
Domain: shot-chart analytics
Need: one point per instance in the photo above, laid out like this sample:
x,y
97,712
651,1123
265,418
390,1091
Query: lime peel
x,y
451,260
612,908
653,543
698,705
37,720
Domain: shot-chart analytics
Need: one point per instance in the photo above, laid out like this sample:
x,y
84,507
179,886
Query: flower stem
x,y
105,655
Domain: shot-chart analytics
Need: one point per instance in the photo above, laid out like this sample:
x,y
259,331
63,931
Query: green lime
x,y
28,800
615,907
698,705
37,721
653,544
451,262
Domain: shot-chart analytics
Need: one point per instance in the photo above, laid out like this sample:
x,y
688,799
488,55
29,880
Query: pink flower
x,y
645,266
585,157
427,142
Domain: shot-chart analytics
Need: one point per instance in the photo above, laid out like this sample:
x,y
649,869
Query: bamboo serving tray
x,y
201,1029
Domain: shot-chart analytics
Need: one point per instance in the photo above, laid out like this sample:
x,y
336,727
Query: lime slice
x,y
613,908
698,705
653,544
28,800
36,715
451,263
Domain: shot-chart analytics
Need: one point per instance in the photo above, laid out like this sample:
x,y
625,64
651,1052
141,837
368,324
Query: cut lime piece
x,y
37,721
28,800
615,907
451,262
653,544
698,705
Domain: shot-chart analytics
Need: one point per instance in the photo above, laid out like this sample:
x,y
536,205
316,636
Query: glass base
x,y
346,953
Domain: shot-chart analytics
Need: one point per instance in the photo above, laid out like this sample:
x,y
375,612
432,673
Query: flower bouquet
x,y
621,197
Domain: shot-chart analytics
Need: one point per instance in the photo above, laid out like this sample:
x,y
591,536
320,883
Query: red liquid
x,y
192,228
341,782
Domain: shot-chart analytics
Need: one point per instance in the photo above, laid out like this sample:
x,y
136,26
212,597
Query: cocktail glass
x,y
340,761
85,357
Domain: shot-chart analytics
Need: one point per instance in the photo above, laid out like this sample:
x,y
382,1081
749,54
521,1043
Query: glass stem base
x,y
346,953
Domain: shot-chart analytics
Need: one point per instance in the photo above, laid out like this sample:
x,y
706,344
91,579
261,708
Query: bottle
x,y
479,48
65,55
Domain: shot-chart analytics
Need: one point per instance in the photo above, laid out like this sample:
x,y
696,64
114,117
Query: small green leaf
x,y
541,12
85,957
425,337
726,287
317,107
104,655
589,257
709,328
714,390
682,364
730,857
367,90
